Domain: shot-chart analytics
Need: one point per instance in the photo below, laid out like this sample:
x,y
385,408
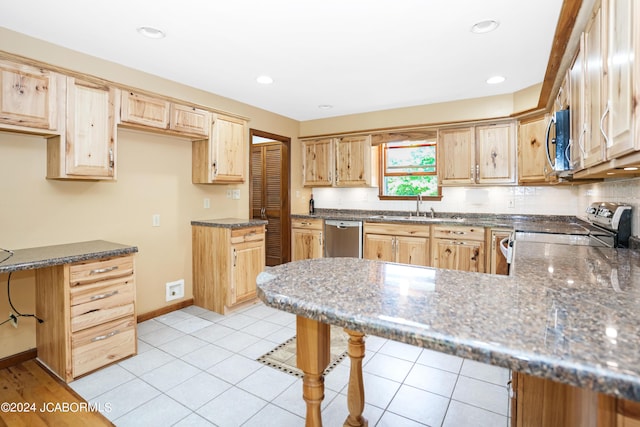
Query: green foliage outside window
x,y
410,169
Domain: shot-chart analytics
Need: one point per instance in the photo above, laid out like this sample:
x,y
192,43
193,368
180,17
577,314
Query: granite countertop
x,y
567,315
229,222
47,256
555,224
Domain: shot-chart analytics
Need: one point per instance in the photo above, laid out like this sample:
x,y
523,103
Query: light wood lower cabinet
x,y
406,244
307,239
458,248
226,262
89,315
497,262
538,402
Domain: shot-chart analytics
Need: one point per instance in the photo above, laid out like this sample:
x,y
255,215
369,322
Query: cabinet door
x,y
577,108
247,262
144,110
317,163
91,130
498,261
496,160
621,97
593,139
28,96
380,247
532,156
412,250
227,149
353,161
306,244
190,120
459,255
456,156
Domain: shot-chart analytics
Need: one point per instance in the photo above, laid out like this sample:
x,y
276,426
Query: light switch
x,y
155,220
236,194
207,203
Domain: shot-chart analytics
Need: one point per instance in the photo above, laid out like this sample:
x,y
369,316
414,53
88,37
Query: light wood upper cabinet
x,y
458,248
533,166
190,120
221,158
456,156
621,98
145,110
594,104
87,150
496,154
317,162
406,244
483,154
306,239
31,98
354,161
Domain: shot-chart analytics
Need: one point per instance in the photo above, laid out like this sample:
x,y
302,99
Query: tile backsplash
x,y
551,200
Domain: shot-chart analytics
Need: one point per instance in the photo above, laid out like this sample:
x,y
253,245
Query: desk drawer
x,y
94,304
458,232
249,234
94,271
313,224
96,347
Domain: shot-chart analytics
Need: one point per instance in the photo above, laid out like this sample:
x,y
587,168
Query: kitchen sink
x,y
416,218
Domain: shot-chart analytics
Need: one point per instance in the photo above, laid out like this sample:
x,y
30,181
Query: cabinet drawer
x,y
98,346
249,234
109,268
458,232
396,229
92,305
312,224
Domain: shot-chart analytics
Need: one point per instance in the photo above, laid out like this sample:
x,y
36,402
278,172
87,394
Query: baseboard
x,y
164,310
18,358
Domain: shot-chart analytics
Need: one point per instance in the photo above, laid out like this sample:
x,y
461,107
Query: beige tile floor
x,y
198,368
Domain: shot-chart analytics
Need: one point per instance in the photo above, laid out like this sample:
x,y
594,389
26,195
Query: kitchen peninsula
x,y
564,317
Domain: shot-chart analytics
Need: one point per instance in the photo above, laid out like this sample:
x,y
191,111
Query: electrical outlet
x,y
174,290
14,320
511,204
207,203
229,194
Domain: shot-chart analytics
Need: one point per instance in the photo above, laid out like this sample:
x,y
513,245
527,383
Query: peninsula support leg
x,y
355,393
312,357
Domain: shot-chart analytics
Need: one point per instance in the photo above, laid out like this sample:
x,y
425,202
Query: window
x,y
408,169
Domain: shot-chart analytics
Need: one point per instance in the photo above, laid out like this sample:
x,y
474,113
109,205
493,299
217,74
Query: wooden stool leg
x,y
355,393
312,357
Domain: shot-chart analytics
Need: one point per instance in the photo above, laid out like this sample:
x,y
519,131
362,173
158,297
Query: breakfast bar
x,y
567,315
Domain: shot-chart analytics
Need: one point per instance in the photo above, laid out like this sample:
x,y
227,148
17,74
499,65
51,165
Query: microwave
x,y
562,160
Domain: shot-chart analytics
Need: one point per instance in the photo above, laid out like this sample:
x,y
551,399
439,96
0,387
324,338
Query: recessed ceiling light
x,y
484,26
152,33
325,106
631,168
611,173
264,80
495,80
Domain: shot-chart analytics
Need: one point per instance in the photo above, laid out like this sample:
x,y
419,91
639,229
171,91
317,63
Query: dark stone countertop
x,y
229,222
566,313
47,256
553,224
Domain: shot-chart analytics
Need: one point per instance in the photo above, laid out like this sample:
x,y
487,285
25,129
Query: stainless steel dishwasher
x,y
342,238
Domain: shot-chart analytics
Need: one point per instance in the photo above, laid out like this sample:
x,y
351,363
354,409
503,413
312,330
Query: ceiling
x,y
353,55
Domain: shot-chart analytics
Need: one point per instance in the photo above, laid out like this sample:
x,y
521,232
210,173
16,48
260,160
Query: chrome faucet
x,y
418,201
433,213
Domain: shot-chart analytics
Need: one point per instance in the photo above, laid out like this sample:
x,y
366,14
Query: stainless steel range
x,y
611,224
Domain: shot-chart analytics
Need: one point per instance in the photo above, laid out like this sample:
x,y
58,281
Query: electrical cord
x,y
10,252
13,308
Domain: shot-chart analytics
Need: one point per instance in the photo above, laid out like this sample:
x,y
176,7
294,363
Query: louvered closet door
x,y
267,196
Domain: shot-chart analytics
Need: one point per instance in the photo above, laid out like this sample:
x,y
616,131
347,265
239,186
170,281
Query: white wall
x,y
557,200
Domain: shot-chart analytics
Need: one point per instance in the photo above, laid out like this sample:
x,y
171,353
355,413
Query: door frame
x,y
285,202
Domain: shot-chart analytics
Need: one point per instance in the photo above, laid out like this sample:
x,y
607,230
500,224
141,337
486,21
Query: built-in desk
x,y
85,303
567,315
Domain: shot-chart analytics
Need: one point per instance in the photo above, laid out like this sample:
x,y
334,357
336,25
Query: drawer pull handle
x,y
458,232
305,223
102,296
104,270
104,337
